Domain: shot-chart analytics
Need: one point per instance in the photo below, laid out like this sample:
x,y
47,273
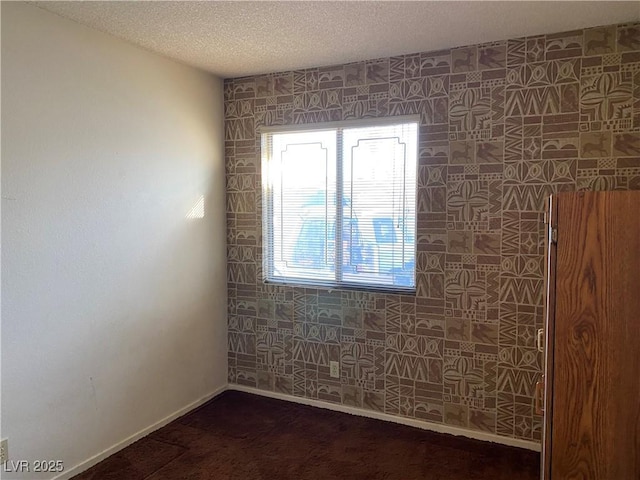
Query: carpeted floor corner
x,y
246,437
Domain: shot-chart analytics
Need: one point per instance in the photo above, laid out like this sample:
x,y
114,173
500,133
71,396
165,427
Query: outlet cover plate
x,y
4,451
334,369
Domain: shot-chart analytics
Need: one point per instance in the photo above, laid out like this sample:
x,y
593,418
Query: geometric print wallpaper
x,y
502,125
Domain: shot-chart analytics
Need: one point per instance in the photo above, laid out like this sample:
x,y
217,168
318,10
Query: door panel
x,y
595,415
550,293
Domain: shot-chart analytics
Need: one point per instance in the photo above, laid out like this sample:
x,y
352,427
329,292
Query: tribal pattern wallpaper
x,y
503,125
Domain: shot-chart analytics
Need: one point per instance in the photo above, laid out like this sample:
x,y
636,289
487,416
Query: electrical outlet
x,y
334,369
4,451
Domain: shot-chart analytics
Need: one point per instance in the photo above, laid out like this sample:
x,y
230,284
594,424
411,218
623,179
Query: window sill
x,y
346,287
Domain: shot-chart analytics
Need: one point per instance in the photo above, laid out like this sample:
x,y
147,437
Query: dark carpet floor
x,y
246,437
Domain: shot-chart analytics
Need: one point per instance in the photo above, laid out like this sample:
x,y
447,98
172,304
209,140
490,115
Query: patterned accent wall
x,y
503,125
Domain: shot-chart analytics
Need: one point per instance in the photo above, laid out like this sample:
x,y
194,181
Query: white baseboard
x,y
85,465
412,422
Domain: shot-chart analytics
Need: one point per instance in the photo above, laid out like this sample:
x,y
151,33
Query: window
x,y
340,204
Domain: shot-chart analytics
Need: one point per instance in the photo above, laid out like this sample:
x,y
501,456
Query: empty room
x,y
308,240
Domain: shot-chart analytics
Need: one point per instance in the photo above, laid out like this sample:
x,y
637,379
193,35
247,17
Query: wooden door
x,y
550,292
594,409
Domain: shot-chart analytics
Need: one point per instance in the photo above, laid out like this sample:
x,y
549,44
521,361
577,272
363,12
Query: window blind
x,y
339,206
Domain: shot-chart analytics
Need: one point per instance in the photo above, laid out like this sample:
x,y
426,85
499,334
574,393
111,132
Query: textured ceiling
x,y
240,38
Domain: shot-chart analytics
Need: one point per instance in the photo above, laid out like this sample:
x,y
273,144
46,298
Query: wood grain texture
x,y
596,365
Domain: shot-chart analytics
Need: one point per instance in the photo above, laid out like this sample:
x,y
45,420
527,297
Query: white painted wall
x,y
113,302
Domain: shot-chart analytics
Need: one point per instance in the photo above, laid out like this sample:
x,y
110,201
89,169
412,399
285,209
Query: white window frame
x,y
267,212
